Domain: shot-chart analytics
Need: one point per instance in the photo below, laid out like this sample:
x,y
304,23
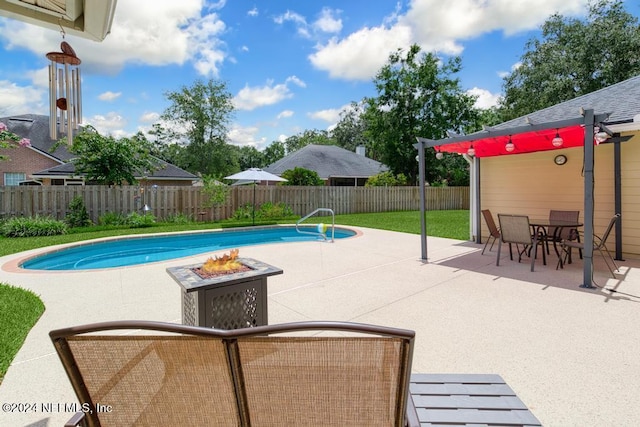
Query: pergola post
x,y
423,201
587,253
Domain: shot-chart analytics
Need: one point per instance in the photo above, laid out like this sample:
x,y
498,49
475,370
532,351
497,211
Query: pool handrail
x,y
317,233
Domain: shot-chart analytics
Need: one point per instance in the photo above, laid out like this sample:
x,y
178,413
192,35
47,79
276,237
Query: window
x,y
14,178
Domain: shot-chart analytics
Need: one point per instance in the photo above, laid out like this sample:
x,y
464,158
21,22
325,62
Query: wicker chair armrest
x,y
78,419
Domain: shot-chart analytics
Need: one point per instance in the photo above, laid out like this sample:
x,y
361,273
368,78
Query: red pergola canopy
x,y
524,142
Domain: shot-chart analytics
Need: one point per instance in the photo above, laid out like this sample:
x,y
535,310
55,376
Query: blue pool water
x,y
141,250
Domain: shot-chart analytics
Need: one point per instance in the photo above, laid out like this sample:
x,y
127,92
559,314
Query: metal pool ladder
x,y
319,233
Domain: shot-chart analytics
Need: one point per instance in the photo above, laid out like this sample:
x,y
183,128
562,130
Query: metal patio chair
x,y
494,232
599,244
185,375
516,229
558,236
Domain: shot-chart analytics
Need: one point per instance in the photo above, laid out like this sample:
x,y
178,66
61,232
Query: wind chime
x,y
65,101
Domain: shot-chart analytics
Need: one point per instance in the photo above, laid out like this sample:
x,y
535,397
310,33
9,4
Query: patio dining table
x,y
543,226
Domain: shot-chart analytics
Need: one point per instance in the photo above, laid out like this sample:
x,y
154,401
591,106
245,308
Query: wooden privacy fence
x,y
166,201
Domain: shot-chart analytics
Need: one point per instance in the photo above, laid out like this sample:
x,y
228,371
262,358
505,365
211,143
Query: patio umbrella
x,y
254,175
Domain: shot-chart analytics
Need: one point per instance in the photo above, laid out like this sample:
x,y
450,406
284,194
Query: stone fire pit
x,y
225,301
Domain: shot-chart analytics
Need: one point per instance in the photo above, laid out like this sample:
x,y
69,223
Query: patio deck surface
x,y
571,354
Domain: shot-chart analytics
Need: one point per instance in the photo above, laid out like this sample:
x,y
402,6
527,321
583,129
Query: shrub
x,y
135,220
243,212
77,216
112,218
274,211
33,226
301,176
386,179
265,211
179,218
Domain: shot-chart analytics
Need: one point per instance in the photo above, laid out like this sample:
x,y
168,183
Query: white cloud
x,y
295,80
16,99
361,54
485,99
285,114
328,23
250,98
434,25
109,96
143,32
331,115
150,117
241,136
253,12
110,124
299,21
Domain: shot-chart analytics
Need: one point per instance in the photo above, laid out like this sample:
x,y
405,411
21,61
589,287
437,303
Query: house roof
x,y
36,128
619,104
328,161
621,101
165,171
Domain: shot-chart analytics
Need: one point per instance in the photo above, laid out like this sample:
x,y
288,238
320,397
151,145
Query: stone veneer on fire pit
x,y
228,301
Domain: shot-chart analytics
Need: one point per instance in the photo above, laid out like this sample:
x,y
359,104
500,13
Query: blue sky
x,y
290,65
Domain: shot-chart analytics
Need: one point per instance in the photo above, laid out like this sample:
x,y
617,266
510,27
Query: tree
x,y
8,139
274,152
350,131
108,161
313,136
199,116
250,157
301,176
386,179
417,96
573,58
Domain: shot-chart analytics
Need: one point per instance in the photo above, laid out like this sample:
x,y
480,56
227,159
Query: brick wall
x,y
23,160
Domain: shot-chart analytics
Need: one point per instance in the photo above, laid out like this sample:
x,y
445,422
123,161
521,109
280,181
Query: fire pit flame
x,y
227,262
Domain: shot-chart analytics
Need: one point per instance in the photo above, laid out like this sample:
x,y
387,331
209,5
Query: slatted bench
x,y
465,400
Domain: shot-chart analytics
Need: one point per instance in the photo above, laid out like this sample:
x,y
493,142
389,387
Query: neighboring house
x,y
534,183
39,164
335,165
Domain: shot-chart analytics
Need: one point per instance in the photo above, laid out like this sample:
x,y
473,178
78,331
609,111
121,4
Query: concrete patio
x,y
571,354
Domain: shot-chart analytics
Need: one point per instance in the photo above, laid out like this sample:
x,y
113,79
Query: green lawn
x,y
20,309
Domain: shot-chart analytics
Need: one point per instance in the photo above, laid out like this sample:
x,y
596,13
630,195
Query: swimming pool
x,y
135,250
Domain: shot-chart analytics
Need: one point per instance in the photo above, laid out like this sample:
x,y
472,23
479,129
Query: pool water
x,y
142,250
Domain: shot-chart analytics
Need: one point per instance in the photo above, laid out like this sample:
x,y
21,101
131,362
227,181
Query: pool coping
x,y
14,265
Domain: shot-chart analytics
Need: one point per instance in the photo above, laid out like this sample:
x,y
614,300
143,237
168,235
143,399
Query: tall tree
x,y
108,161
573,58
417,96
349,133
274,152
250,157
199,116
309,136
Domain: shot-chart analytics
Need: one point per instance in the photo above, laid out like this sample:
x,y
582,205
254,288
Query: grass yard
x,y
450,224
19,311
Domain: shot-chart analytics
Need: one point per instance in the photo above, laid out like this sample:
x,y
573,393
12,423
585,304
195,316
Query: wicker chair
x,y
599,244
185,375
516,229
494,232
